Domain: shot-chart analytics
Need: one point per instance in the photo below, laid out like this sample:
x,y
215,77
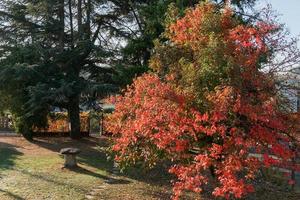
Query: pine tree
x,y
55,52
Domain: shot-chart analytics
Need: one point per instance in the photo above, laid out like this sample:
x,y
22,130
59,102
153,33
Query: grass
x,y
30,171
36,175
34,171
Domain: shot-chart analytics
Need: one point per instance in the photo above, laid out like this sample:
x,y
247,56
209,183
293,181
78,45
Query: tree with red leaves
x,y
207,107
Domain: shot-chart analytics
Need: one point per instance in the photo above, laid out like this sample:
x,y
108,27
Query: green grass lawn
x,y
33,171
37,174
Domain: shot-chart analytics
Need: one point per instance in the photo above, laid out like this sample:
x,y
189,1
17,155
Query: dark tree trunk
x,y
88,19
79,19
61,13
71,24
74,117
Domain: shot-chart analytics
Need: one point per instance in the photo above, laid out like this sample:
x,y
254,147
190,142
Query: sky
x,y
289,11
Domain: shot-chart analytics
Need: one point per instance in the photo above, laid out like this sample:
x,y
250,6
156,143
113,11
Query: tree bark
x,y
61,13
79,19
88,18
74,117
71,24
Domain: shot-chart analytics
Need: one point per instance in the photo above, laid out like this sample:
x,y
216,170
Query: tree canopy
x,y
63,52
57,53
207,107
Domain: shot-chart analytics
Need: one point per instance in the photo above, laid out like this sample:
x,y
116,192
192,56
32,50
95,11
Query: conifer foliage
x,y
52,54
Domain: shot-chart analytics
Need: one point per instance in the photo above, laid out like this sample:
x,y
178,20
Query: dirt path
x,y
49,145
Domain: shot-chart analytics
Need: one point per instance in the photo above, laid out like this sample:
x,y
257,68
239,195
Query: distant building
x,y
289,85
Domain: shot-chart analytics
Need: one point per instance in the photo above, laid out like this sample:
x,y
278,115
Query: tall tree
x,y
207,105
56,52
151,17
72,44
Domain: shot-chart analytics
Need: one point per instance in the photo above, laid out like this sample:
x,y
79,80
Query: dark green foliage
x,y
151,20
63,53
125,74
52,57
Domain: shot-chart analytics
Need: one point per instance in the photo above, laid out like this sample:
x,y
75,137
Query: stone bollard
x,y
70,156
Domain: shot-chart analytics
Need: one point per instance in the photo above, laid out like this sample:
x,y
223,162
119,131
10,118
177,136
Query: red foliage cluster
x,y
155,118
151,114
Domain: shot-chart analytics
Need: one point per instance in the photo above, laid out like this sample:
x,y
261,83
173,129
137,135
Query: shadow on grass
x,y
8,155
16,197
89,155
45,177
93,157
105,178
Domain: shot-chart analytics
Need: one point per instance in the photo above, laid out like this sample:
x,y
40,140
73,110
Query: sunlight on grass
x,y
41,177
33,171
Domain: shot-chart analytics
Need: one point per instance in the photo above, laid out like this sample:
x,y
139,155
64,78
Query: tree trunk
x,y
71,24
61,13
79,19
74,117
88,19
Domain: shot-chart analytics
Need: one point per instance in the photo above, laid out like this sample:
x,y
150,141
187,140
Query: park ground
x,y
33,171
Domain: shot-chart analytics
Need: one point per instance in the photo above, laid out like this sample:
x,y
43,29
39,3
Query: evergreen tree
x,y
54,52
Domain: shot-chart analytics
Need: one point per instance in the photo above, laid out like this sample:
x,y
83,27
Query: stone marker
x,y
70,156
